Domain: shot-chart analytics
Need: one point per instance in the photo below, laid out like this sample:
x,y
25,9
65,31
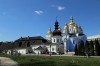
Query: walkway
x,y
7,62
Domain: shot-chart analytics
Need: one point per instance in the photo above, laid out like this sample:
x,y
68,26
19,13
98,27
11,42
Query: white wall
x,y
22,51
53,48
9,52
59,38
36,46
48,36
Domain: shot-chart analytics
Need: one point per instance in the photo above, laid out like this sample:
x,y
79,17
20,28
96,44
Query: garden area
x,y
31,60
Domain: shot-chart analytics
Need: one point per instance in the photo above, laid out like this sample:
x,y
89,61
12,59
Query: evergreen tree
x,y
91,48
96,48
76,50
87,47
81,48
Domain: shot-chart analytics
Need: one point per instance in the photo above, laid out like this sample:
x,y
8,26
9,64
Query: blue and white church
x,y
69,36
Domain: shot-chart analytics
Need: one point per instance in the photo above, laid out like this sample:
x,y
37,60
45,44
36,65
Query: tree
x,y
87,50
76,50
97,47
91,48
81,48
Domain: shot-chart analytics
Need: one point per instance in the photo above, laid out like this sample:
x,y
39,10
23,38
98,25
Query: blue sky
x,y
33,17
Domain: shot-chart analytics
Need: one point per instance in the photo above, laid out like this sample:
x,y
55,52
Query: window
x,y
54,40
20,44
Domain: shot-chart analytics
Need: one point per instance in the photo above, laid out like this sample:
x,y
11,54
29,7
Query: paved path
x,y
4,61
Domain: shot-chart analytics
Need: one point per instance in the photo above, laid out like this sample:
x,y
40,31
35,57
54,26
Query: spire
x,y
56,18
49,28
56,24
71,19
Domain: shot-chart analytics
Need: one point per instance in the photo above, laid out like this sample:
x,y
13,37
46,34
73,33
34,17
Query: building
x,y
33,45
89,38
57,41
70,36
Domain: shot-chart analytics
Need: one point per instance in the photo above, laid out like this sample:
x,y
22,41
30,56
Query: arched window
x,y
20,44
54,40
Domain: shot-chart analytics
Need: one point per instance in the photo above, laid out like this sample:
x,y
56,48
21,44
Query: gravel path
x,y
4,61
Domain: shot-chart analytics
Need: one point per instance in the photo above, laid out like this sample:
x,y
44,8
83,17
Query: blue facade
x,y
72,41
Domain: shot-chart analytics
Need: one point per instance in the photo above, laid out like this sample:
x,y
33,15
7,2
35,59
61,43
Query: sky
x,y
33,17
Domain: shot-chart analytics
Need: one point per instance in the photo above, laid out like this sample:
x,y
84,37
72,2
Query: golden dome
x,y
66,27
49,31
71,22
59,28
75,26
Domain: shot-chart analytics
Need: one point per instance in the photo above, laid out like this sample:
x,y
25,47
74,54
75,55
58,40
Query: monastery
x,y
56,41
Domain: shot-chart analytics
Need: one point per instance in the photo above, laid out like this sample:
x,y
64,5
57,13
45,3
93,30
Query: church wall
x,y
73,41
48,36
56,39
70,44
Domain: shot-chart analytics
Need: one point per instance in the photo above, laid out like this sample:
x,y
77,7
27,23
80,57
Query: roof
x,y
30,38
39,48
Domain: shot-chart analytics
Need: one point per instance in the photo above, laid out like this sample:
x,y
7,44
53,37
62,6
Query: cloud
x,y
38,12
61,8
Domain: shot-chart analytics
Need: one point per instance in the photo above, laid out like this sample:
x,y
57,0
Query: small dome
x,y
49,31
71,22
59,28
75,26
66,26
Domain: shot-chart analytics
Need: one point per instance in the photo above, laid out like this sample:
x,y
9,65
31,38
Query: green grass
x,y
54,60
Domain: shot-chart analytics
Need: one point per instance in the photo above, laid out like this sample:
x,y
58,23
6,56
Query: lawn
x,y
54,60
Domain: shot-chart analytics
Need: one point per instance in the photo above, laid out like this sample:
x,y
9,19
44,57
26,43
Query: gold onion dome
x,y
75,26
66,26
71,22
49,31
59,28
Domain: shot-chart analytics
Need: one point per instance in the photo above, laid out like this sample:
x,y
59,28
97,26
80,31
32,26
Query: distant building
x,y
89,38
